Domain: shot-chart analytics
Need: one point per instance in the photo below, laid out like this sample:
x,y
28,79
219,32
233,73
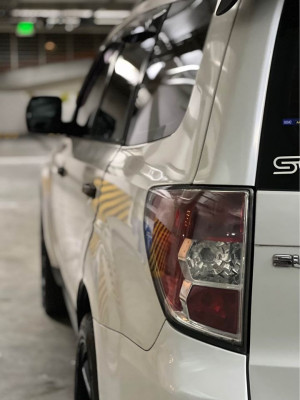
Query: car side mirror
x,y
43,115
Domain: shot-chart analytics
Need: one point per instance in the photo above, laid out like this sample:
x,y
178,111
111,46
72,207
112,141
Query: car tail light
x,y
196,241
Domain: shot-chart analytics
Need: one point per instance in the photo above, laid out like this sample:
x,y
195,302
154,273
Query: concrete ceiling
x,y
8,20
62,4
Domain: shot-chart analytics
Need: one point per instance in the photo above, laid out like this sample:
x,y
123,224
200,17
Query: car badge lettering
x,y
286,165
286,260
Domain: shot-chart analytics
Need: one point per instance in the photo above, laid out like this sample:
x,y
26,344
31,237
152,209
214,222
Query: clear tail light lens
x,y
196,242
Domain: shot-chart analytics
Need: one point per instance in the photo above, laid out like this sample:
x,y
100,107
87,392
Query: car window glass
x,y
164,94
95,87
138,43
279,155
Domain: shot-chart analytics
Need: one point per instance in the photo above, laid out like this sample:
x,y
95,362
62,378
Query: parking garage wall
x,y
44,48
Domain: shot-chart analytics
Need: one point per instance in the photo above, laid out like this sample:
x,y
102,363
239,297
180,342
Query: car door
x,y
77,171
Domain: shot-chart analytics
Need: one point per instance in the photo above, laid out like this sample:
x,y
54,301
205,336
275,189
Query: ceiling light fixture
x,y
51,13
111,14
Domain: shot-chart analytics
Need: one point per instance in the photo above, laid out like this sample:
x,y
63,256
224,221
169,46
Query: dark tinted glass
x,y
138,42
163,97
279,157
94,88
123,81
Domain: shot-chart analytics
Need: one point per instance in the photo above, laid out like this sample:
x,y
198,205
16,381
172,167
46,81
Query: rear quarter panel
x,y
231,147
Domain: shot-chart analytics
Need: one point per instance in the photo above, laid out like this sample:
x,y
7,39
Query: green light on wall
x,y
25,28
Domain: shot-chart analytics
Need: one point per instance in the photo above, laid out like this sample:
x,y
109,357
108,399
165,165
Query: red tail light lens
x,y
196,243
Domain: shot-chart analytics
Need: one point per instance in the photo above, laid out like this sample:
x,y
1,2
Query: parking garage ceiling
x,y
64,15
34,33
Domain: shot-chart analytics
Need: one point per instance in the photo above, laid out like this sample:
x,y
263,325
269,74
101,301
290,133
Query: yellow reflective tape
x,y
123,216
97,182
114,211
162,250
93,244
110,188
105,197
157,232
112,195
13,135
105,183
112,203
159,248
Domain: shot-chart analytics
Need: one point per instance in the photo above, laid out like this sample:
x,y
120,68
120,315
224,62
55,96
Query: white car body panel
x,y
72,211
177,367
47,225
121,294
234,131
112,284
274,348
277,219
100,242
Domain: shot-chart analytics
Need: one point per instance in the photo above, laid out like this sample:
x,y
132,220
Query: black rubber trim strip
x,y
248,376
249,294
225,6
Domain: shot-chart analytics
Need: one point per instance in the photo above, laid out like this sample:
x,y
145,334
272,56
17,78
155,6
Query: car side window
x,y
162,98
138,41
94,87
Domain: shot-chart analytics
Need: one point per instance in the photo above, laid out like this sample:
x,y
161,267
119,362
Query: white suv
x,y
170,212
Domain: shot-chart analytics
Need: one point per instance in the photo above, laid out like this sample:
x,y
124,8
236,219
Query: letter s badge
x,y
286,164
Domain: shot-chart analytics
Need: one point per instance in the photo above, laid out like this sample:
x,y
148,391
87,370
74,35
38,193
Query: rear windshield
x,y
279,157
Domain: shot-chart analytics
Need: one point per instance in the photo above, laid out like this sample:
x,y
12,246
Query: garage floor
x,y
36,353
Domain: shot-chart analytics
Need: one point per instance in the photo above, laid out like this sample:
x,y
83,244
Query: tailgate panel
x,y
274,339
